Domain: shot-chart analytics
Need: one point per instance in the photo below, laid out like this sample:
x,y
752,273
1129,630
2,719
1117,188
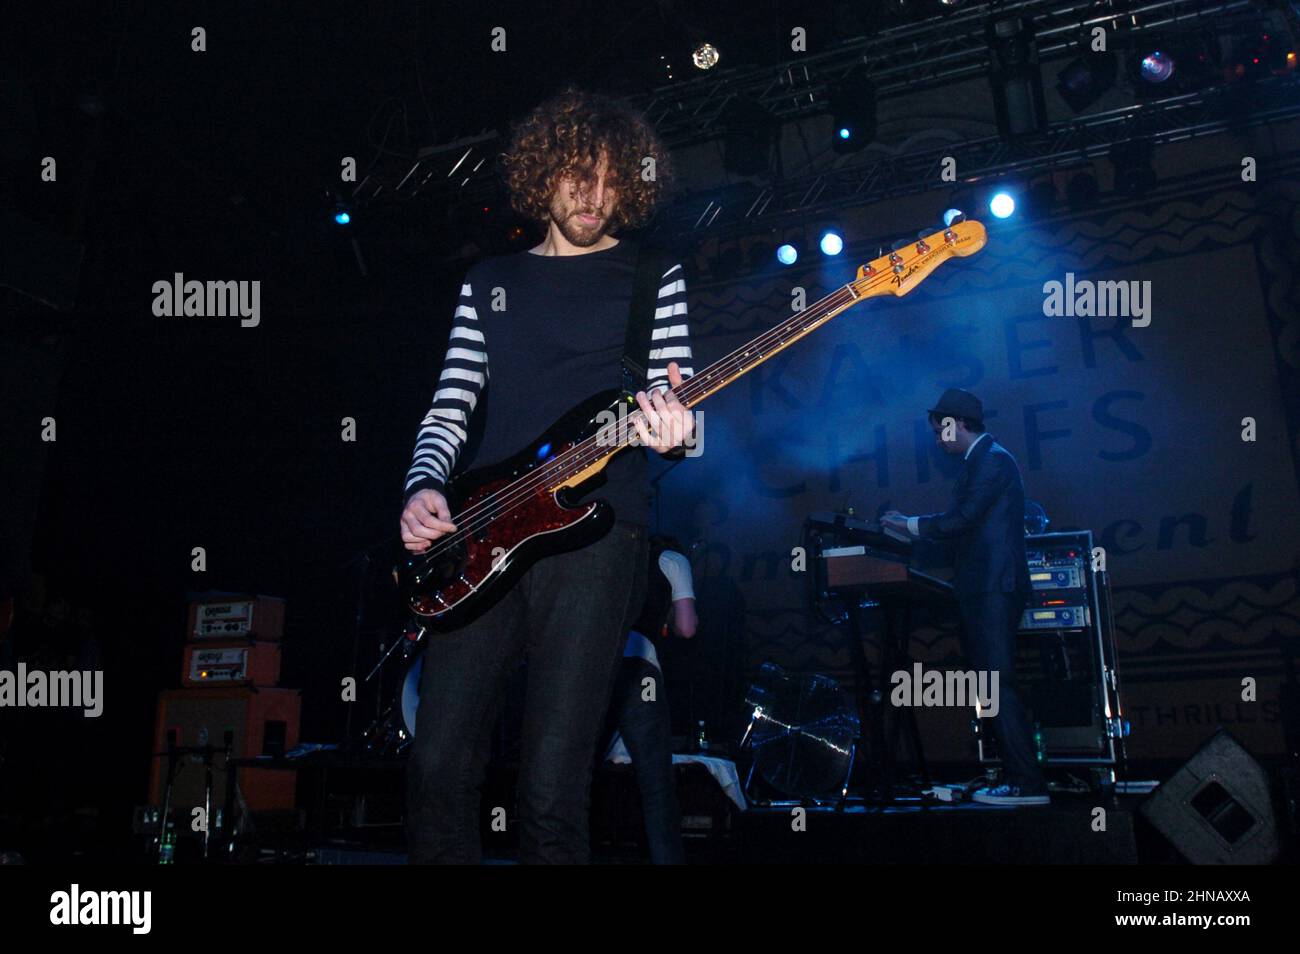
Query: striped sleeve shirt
x,y
444,430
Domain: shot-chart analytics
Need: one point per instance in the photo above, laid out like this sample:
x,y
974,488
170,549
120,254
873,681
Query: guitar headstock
x,y
899,272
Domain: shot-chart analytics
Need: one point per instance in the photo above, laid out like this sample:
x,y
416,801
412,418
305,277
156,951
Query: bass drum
x,y
411,694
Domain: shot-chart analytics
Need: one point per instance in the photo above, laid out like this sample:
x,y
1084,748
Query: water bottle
x,y
701,739
167,850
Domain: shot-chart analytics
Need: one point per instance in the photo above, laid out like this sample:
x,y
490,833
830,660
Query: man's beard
x,y
576,233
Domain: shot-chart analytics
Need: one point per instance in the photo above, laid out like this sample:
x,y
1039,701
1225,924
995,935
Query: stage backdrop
x,y
1132,432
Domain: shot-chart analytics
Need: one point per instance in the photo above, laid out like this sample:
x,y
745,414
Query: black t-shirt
x,y
552,329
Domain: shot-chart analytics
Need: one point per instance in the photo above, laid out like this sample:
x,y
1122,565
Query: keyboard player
x,y
984,524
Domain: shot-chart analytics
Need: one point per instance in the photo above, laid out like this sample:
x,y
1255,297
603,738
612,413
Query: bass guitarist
x,y
547,328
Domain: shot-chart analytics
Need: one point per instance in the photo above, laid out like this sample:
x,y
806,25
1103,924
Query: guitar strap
x,y
651,264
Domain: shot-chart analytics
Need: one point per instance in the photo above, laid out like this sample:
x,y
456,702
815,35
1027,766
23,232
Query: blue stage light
x,y
341,217
951,216
1157,67
846,133
787,255
1002,205
832,242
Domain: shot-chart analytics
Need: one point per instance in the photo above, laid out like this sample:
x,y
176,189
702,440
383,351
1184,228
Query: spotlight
x,y
1085,79
1002,205
853,111
341,214
951,216
705,56
832,243
1181,63
1157,67
787,255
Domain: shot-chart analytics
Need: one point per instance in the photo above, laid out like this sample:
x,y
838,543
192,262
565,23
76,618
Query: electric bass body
x,y
500,532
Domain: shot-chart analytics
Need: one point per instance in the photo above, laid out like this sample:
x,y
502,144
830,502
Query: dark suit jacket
x,y
985,524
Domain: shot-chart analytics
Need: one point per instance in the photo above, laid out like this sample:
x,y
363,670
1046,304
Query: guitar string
x,y
546,475
573,460
524,488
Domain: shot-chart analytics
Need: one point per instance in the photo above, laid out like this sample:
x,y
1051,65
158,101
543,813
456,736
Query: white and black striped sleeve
x,y
670,339
445,429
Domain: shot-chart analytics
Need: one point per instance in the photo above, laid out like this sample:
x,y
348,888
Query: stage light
x,y
832,243
787,255
1085,79
1002,205
342,216
705,56
852,103
1015,78
951,216
1257,56
1157,67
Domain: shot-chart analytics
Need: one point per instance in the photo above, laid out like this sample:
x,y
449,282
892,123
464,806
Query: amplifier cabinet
x,y
260,722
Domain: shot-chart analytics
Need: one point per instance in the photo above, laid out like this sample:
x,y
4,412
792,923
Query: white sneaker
x,y
1009,796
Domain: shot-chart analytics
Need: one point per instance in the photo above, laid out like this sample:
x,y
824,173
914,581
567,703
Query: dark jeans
x,y
989,624
570,613
647,730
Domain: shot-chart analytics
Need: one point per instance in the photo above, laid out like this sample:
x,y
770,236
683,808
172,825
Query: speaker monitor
x,y
1216,809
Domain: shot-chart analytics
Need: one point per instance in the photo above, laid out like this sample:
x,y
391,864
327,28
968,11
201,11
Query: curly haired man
x,y
574,165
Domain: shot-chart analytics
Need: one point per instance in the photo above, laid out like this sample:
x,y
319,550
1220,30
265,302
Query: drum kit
x,y
802,732
393,729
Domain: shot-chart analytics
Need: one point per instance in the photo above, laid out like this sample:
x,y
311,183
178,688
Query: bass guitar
x,y
512,514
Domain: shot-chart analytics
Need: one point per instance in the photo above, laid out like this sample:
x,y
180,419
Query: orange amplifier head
x,y
237,617
231,662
